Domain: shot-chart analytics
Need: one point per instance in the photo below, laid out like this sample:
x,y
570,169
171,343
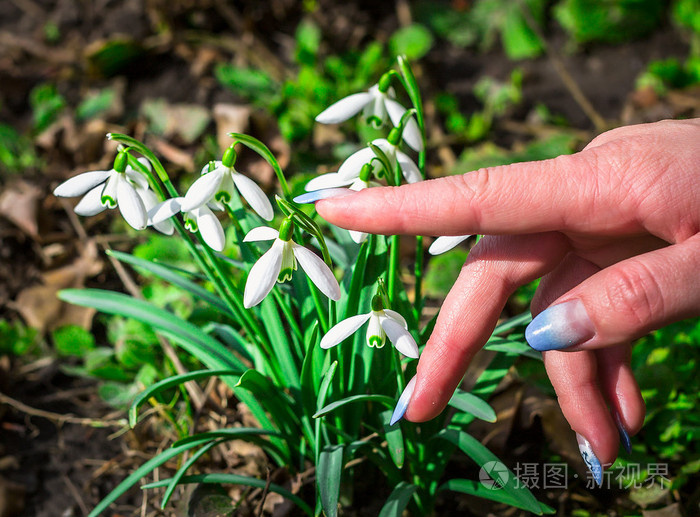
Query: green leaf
x,y
472,404
520,494
96,103
235,479
394,439
108,58
398,500
442,272
468,486
72,340
330,469
519,40
168,383
176,479
413,41
383,399
512,347
169,275
46,104
188,336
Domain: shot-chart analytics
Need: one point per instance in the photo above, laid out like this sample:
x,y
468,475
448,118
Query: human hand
x,y
614,231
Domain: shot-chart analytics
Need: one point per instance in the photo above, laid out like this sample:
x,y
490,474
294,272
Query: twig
x,y
59,418
76,495
266,490
579,97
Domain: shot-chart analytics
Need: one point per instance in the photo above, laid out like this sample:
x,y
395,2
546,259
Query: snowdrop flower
x,y
333,180
382,323
376,104
404,399
121,187
221,184
352,166
446,243
280,261
200,219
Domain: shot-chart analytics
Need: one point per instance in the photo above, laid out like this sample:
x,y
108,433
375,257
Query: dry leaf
x,y
230,118
18,204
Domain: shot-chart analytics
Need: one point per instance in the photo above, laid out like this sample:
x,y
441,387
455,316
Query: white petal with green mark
x,y
375,337
210,228
343,329
91,204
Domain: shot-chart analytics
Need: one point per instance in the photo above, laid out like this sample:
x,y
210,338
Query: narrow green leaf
x,y
521,495
472,404
325,385
230,337
330,469
175,480
235,479
169,275
279,339
250,434
144,470
471,487
383,399
394,439
168,383
398,500
512,347
515,321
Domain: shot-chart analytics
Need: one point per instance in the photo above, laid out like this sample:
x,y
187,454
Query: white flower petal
x,y
350,169
358,237
202,191
409,169
210,228
80,184
109,192
396,317
317,270
263,275
91,204
403,341
404,399
344,108
411,134
446,243
375,336
261,233
343,329
205,169
130,204
138,178
165,210
255,196
150,201
330,180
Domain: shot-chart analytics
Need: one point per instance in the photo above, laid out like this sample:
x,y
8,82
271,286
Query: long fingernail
x,y
404,399
561,326
624,435
326,193
592,461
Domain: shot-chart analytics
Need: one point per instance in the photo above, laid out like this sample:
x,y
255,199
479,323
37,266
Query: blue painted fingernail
x,y
404,399
624,435
561,326
325,193
591,460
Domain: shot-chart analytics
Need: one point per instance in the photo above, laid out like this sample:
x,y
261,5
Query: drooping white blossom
x,y
377,104
280,261
383,323
352,166
446,243
200,219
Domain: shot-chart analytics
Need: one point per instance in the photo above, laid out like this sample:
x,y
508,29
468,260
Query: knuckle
x,y
634,294
473,189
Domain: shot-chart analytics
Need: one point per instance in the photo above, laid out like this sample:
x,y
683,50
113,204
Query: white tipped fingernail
x,y
326,193
404,399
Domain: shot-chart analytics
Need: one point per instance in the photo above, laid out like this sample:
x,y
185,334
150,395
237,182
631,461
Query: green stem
x,y
393,273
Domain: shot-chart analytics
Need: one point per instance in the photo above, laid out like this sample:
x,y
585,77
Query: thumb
x,y
623,301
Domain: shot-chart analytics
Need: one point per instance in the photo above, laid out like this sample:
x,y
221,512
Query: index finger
x,y
562,194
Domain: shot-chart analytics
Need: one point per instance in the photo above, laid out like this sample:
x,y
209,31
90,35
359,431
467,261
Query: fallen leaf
x,y
673,510
18,204
12,497
230,118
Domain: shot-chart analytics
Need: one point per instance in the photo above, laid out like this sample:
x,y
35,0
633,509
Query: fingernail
x,y
404,399
624,436
561,326
326,193
592,461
